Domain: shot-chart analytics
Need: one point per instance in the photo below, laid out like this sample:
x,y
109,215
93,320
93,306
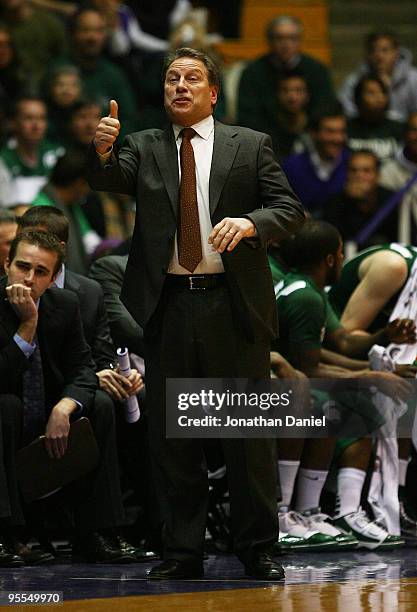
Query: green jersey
x,y
304,313
340,293
278,271
22,182
47,158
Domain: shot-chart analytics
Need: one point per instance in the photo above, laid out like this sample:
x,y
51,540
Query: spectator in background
x,y
258,84
394,175
288,128
371,128
67,190
64,90
289,131
8,227
392,64
82,122
26,161
320,171
110,215
354,207
38,36
100,77
126,35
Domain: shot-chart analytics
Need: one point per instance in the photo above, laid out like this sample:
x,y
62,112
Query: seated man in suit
x,y
92,308
47,376
97,334
133,438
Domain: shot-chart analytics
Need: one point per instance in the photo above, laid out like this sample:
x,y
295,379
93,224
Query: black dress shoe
x,y
8,557
140,554
263,567
172,569
98,548
28,554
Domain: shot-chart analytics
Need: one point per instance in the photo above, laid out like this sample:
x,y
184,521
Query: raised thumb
x,y
114,109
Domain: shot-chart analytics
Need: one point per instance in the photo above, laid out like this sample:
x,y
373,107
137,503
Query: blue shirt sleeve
x,y
26,348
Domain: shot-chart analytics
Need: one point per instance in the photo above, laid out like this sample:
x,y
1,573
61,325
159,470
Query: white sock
x,y
402,475
287,471
349,489
309,487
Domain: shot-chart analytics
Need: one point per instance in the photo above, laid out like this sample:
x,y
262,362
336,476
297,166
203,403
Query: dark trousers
x,y
95,498
193,334
11,411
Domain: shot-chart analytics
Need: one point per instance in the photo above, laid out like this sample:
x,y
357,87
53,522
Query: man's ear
x,y
53,279
214,95
330,260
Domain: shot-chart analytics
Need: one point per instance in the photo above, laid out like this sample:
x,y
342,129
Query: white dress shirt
x,y
202,144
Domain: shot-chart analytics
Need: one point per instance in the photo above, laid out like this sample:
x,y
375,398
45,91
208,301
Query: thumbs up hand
x,y
107,130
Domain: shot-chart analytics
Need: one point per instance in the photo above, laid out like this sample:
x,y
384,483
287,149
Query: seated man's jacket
x,y
68,368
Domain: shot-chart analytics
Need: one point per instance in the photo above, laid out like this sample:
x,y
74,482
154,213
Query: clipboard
x,y
39,476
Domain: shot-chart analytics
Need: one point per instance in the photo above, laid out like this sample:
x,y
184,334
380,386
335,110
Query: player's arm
x,y
382,277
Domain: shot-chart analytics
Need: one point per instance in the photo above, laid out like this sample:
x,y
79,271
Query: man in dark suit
x,y
109,272
47,375
92,308
112,385
199,284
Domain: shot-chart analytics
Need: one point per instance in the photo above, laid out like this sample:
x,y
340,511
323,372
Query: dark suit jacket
x,y
93,317
245,180
66,358
109,272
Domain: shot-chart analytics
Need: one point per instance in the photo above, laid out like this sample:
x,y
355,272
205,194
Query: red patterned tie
x,y
188,235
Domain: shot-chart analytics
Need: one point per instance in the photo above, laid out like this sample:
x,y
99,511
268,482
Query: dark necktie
x,y
33,398
188,234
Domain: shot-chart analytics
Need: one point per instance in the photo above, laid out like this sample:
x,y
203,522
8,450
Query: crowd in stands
x,y
350,156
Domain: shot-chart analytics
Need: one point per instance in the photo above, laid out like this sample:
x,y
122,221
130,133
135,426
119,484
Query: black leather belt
x,y
195,282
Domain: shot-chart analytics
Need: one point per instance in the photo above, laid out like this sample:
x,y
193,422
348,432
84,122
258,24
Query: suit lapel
x,y
224,152
166,156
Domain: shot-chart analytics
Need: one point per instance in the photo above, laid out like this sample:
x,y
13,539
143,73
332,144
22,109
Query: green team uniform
x,y
278,271
305,314
20,182
47,158
306,317
340,293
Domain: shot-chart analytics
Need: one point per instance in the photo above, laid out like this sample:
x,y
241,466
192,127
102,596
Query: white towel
x,y
383,490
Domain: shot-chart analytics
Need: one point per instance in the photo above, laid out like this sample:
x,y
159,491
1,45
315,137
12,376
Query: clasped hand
x,y
120,387
229,232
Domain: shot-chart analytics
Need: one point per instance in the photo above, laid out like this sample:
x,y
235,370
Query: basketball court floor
x,y
325,582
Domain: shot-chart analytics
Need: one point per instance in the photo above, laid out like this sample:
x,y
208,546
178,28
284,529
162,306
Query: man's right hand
x,y
20,298
120,387
107,130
